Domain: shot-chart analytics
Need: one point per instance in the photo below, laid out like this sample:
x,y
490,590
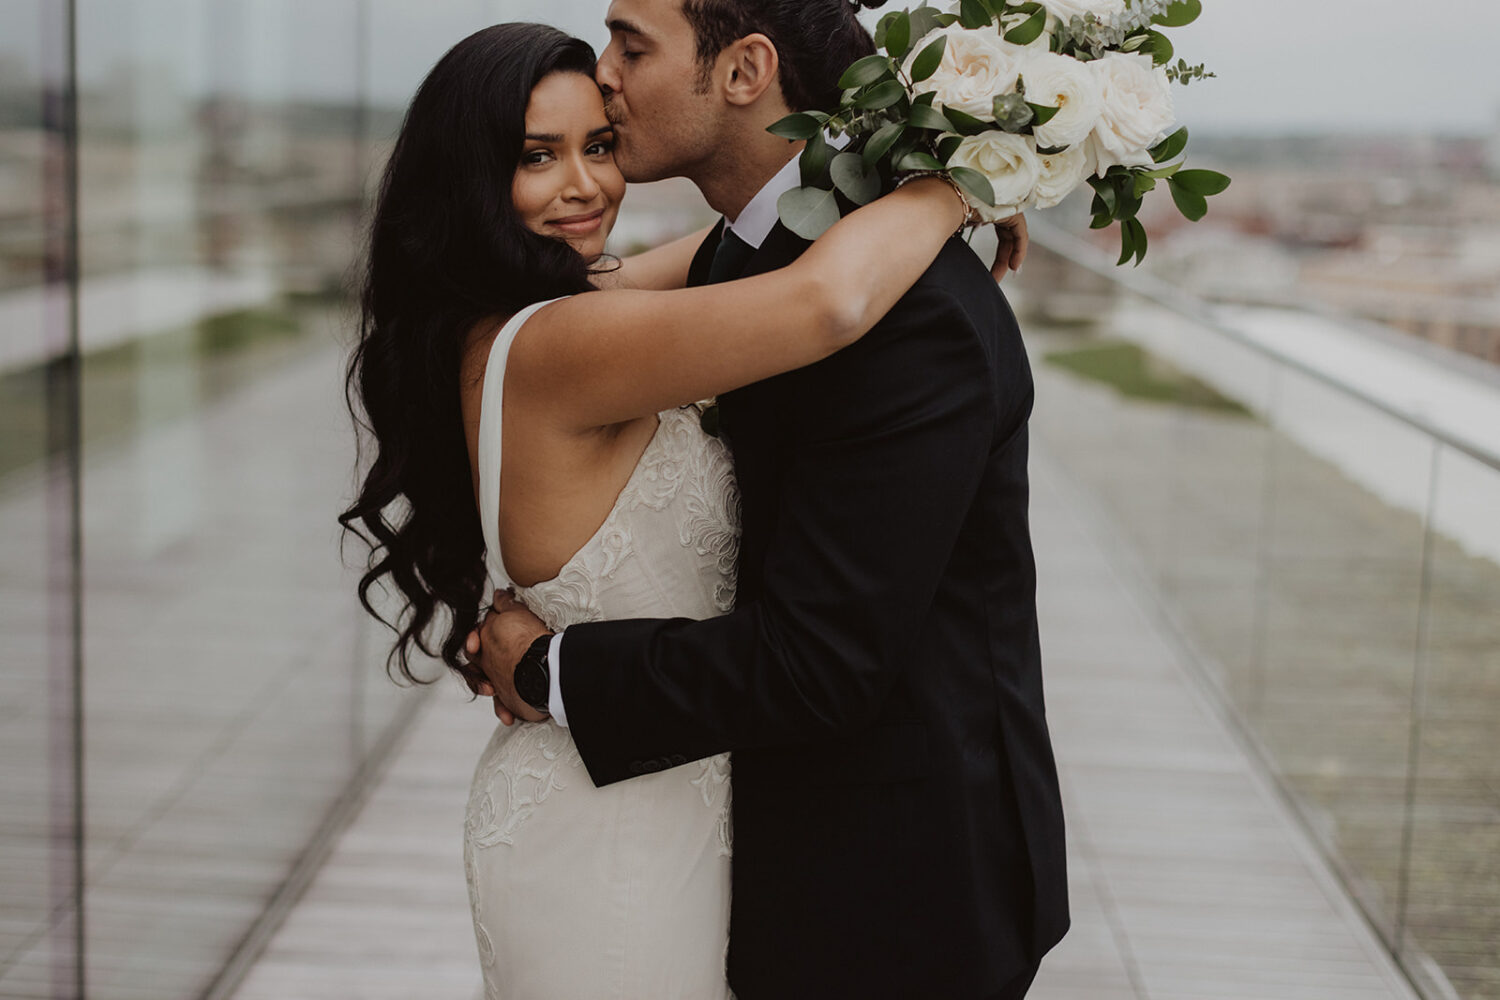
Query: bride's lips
x,y
580,225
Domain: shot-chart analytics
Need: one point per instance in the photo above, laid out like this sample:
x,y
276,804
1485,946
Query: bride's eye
x,y
536,157
603,147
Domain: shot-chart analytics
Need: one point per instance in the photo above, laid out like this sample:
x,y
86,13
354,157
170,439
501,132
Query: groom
x,y
897,825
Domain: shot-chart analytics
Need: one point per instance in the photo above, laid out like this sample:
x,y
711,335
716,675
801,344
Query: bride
x,y
493,323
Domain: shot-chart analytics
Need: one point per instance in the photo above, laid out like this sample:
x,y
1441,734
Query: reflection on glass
x,y
39,800
1452,904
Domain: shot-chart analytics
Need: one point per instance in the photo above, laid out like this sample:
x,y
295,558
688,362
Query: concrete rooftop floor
x,y
1190,880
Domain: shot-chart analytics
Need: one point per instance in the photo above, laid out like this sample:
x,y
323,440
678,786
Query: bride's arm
x,y
658,269
606,357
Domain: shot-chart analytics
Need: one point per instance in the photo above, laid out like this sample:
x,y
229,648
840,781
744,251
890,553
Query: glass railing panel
x,y
1343,580
1452,900
39,789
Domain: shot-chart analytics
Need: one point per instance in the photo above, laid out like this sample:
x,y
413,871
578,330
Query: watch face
x,y
532,682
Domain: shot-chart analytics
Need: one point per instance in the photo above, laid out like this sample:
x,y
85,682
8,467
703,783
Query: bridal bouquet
x,y
1018,104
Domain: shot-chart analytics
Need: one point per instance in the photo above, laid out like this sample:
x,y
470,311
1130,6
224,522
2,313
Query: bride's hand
x,y
1011,246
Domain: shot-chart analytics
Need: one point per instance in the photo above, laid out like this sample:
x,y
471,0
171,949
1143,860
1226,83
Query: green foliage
x,y
854,179
928,60
890,124
1180,14
925,116
808,211
1171,147
867,71
974,183
797,127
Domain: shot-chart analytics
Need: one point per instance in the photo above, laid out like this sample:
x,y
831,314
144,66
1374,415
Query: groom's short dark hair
x,y
816,41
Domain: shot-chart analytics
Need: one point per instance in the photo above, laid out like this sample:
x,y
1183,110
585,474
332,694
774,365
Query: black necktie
x,y
730,258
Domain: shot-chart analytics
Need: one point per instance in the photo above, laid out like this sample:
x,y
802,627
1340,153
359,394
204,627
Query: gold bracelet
x,y
971,216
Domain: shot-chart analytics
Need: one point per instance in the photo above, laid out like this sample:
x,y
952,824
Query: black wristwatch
x,y
533,675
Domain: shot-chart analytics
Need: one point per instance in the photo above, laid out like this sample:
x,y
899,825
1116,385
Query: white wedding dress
x,y
622,892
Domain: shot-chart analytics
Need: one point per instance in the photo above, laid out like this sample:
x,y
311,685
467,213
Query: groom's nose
x,y
606,72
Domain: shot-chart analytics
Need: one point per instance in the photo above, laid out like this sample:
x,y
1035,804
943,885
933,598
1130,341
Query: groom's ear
x,y
748,70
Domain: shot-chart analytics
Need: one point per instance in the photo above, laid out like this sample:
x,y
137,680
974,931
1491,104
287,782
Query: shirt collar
x,y
759,217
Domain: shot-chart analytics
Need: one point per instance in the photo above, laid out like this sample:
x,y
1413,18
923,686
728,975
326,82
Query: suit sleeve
x,y
892,438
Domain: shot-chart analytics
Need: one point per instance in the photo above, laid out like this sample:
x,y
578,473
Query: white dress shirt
x,y
752,225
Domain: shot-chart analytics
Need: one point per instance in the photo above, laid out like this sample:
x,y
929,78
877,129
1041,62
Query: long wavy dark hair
x,y
446,250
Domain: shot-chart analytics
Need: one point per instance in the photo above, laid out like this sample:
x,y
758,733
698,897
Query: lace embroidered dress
x,y
619,892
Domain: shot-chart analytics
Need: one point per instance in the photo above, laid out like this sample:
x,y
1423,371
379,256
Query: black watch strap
x,y
533,676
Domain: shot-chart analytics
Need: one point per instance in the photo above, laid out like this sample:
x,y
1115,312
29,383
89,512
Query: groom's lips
x,y
580,225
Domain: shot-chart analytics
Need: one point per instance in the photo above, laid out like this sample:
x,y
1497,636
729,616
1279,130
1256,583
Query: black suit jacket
x,y
898,831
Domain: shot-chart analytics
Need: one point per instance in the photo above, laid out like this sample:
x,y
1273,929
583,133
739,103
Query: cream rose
x,y
1108,11
1136,110
1061,173
1066,84
978,65
1010,164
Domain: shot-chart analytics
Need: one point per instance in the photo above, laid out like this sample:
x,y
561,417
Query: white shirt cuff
x,y
554,695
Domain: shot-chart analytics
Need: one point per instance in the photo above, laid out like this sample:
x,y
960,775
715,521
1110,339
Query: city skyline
x,y
1331,67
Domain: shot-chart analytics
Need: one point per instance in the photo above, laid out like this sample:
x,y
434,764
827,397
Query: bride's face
x,y
567,185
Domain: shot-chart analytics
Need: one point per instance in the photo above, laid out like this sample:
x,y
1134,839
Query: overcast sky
x,y
1302,65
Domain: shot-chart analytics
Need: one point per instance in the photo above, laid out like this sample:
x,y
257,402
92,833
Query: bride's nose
x,y
580,184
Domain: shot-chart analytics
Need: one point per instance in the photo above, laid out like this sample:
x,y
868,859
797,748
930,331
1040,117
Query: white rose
x,y
1010,164
1064,83
1136,110
978,66
1061,173
1108,11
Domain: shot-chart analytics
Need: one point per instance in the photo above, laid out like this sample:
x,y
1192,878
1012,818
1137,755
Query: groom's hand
x,y
1012,243
507,631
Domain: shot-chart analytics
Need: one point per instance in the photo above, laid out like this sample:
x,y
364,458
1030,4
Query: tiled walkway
x,y
1189,879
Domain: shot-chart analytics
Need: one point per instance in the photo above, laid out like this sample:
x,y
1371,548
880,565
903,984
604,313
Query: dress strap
x,y
490,409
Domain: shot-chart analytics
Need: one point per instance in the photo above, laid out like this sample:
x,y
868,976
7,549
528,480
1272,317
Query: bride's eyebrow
x,y
554,137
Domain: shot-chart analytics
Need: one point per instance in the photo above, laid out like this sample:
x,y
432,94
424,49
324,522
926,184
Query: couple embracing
x,y
828,574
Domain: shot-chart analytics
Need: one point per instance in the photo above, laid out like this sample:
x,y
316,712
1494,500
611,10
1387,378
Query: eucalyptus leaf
x,y
1202,182
1012,113
1171,147
1193,206
808,212
918,159
866,71
1137,239
928,60
973,14
964,123
923,116
814,160
1109,196
974,183
880,96
1160,47
1127,245
881,142
1041,114
924,20
796,127
898,36
859,183
1180,14
1028,30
